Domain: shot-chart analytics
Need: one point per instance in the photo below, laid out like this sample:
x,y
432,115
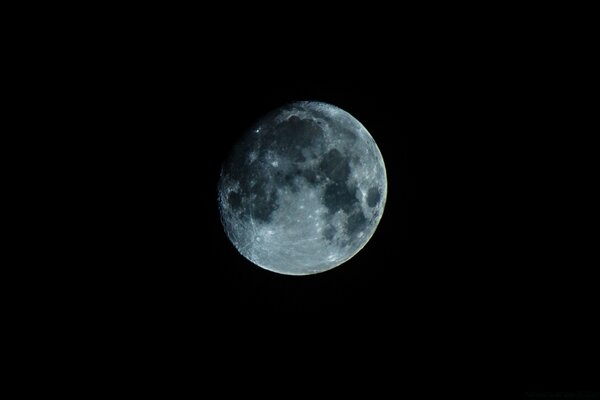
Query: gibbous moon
x,y
303,190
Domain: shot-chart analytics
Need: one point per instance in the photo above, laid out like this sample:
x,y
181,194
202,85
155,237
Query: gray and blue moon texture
x,y
304,189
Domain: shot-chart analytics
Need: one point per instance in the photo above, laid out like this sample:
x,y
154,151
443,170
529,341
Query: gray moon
x,y
303,190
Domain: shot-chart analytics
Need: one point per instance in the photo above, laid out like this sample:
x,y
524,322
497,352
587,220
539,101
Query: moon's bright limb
x,y
304,189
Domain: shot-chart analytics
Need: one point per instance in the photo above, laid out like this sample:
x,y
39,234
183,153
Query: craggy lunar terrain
x,y
304,189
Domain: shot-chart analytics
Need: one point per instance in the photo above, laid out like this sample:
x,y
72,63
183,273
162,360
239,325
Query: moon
x,y
303,190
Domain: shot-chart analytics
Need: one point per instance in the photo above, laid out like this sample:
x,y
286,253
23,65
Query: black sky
x,y
477,272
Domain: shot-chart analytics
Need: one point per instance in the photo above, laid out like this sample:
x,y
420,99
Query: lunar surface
x,y
303,190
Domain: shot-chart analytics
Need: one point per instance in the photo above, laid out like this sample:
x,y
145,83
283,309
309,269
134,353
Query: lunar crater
x,y
356,222
335,166
373,197
235,200
339,196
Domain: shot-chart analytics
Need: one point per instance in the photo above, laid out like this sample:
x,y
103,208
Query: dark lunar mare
x,y
288,140
256,197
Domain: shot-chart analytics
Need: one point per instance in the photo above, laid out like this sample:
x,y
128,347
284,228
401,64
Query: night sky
x,y
483,282
442,293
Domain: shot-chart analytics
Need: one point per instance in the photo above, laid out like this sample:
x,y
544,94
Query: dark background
x,y
445,284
